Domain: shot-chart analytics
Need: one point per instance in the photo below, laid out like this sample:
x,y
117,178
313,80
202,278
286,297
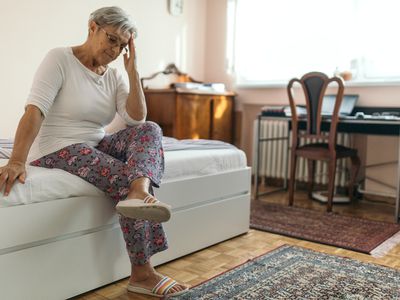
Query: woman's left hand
x,y
130,58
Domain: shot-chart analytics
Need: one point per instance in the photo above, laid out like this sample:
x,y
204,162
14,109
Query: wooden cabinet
x,y
186,115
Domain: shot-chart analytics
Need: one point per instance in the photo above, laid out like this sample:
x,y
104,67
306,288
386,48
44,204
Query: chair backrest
x,y
314,86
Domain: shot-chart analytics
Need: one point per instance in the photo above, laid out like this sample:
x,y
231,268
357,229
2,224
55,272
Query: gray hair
x,y
114,16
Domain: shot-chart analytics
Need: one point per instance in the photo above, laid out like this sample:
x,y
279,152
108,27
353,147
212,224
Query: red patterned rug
x,y
361,235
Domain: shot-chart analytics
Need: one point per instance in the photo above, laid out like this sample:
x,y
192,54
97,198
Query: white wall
x,y
28,29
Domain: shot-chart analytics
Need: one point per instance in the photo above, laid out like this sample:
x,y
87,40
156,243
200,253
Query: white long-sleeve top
x,y
76,102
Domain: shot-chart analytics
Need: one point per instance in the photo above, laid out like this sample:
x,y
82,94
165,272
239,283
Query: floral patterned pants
x,y
119,159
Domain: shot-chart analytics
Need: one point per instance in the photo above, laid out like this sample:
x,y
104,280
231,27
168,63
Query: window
x,y
271,41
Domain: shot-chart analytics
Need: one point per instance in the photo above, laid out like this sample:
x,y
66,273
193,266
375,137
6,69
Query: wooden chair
x,y
314,86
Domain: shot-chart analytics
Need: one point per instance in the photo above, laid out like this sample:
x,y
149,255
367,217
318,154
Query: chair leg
x,y
310,185
355,168
292,177
331,182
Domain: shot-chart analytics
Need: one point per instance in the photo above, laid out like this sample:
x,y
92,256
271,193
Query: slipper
x,y
160,290
144,209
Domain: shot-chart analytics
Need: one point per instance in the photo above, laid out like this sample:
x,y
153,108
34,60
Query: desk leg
x,y
258,159
285,182
396,214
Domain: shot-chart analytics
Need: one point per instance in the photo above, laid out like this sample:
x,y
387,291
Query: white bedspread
x,y
51,184
193,163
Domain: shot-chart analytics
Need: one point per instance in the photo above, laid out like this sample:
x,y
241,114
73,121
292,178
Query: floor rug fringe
x,y
386,246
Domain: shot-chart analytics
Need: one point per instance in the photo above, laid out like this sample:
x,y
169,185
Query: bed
x,y
60,236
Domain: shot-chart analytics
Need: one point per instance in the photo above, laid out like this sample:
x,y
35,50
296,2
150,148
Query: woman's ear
x,y
92,26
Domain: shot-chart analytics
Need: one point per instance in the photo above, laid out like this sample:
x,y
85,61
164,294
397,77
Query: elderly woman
x,y
74,95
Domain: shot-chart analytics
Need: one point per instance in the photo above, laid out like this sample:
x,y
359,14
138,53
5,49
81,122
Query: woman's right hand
x,y
27,130
10,173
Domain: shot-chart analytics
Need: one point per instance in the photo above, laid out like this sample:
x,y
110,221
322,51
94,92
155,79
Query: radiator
x,y
275,157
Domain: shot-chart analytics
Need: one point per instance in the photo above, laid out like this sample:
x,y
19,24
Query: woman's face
x,y
108,42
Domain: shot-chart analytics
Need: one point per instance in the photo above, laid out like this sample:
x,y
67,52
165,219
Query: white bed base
x,y
62,248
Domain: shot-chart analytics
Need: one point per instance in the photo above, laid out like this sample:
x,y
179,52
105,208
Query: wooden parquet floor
x,y
202,265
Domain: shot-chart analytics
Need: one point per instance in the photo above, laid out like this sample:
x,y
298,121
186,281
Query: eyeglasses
x,y
115,41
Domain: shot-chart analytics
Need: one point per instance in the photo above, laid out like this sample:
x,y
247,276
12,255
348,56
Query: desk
x,y
360,126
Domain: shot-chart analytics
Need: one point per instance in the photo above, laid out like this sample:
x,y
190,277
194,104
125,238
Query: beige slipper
x,y
160,290
144,209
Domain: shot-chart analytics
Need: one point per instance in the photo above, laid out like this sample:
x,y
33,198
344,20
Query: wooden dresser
x,y
187,115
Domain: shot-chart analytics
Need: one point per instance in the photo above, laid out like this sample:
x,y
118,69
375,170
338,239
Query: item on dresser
x,y
170,69
206,88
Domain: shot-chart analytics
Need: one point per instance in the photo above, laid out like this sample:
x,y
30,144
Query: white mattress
x,y
51,184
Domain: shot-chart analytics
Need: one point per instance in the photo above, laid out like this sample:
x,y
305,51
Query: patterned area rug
x,y
356,234
295,273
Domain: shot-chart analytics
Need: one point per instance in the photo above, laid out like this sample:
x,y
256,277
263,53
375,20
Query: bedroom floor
x,y
202,265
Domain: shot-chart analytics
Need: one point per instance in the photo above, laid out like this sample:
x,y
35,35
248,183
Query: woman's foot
x,y
141,195
141,205
156,284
